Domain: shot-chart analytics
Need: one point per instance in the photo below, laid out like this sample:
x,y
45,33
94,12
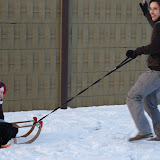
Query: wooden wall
x,y
100,33
29,53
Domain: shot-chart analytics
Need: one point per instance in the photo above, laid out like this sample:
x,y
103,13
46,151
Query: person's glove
x,y
144,7
131,54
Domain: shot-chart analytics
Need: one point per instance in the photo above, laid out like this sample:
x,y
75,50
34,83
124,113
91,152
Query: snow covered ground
x,y
91,133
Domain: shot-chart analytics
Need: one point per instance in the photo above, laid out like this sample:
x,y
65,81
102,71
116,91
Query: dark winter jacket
x,y
153,49
1,112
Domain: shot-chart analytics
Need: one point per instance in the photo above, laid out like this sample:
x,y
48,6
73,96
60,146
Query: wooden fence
x,y
100,32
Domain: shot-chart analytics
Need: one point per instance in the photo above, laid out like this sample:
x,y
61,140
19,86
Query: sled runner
x,y
36,123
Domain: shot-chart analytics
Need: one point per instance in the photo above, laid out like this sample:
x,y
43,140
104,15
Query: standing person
x,y
147,88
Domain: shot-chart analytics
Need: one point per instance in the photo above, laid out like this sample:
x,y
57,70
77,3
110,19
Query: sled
x,y
36,123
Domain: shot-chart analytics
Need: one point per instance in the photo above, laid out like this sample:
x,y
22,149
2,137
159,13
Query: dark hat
x,y
3,85
158,1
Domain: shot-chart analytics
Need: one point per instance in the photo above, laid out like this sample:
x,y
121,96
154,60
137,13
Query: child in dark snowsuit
x,y
7,131
2,92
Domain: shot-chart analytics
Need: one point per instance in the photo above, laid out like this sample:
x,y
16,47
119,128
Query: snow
x,y
89,133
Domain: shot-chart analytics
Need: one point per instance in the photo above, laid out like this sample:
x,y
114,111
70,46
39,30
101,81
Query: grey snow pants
x,y
146,89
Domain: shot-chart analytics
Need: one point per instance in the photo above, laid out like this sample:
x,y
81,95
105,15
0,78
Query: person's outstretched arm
x,y
144,7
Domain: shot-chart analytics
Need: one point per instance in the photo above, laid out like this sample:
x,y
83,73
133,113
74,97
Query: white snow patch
x,y
90,133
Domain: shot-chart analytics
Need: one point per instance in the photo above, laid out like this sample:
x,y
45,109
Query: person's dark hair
x,y
158,1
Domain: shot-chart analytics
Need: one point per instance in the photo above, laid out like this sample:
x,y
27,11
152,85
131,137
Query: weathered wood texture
x,y
29,53
100,33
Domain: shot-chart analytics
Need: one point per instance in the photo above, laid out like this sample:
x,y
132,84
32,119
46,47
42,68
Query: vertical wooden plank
x,y
88,81
35,85
108,11
1,9
73,5
22,30
17,62
57,36
4,39
96,35
17,7
4,10
138,36
47,36
133,10
97,12
11,36
90,53
101,36
74,36
35,10
91,36
123,35
53,36
10,10
5,65
44,86
79,61
49,62
124,9
28,36
27,62
29,10
112,35
101,60
102,11
85,35
41,10
91,8
34,35
41,36
80,33
73,86
35,62
19,87
41,61
16,37
80,11
128,35
113,11
107,35
85,11
117,35
53,9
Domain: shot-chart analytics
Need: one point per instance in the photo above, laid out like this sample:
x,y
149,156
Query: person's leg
x,y
150,106
7,133
146,84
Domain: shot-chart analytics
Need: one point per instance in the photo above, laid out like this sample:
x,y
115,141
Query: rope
x,y
114,69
